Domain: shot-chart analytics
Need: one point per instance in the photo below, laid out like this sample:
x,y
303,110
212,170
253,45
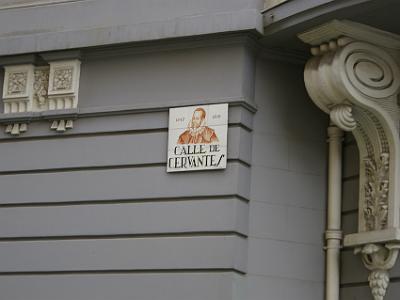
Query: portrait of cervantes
x,y
197,131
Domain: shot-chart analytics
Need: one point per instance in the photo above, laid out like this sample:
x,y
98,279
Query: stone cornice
x,y
179,27
335,29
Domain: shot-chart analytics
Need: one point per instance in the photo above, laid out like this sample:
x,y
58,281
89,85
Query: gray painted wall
x,y
286,220
85,23
92,213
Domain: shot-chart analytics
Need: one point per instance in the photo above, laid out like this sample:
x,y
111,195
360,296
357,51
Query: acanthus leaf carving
x,y
40,86
376,192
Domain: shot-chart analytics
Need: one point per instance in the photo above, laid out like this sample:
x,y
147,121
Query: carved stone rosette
x,y
354,77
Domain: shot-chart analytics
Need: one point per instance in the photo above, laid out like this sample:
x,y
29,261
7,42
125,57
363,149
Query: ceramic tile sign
x,y
197,138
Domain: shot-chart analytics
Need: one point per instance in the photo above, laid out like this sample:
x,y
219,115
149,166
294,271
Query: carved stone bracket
x,y
354,76
18,94
29,89
63,90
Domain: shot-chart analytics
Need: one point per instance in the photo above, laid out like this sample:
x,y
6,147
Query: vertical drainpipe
x,y
333,233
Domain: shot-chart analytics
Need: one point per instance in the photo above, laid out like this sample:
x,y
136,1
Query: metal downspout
x,y
333,233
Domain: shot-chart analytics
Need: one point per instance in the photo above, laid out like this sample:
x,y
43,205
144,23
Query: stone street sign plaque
x,y
197,138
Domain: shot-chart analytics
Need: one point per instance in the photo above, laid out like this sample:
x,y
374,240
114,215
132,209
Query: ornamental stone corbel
x,y
354,76
37,88
63,90
18,95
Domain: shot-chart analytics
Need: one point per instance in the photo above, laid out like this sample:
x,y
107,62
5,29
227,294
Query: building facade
x,y
88,210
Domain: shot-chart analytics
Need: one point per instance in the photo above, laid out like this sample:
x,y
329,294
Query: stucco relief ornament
x,y
379,259
63,79
376,193
63,92
354,78
342,116
30,92
17,83
40,86
17,96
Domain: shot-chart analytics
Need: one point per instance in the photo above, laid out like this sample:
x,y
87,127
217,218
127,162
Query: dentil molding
x,y
354,76
29,89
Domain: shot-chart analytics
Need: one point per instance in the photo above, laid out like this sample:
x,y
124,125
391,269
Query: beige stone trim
x,y
28,89
354,76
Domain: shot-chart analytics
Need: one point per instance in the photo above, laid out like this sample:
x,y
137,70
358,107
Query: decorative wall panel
x,y
29,89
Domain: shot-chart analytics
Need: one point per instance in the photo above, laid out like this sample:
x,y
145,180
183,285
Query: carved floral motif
x,y
40,86
17,82
28,89
62,79
376,192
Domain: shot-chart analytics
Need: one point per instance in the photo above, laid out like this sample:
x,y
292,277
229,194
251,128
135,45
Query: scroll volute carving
x,y
355,78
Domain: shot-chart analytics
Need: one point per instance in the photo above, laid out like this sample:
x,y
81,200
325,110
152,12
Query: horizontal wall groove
x,y
126,236
365,283
103,167
285,278
118,272
350,212
71,135
157,107
82,168
355,284
291,206
106,112
317,245
350,143
350,178
347,249
127,201
240,125
35,4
